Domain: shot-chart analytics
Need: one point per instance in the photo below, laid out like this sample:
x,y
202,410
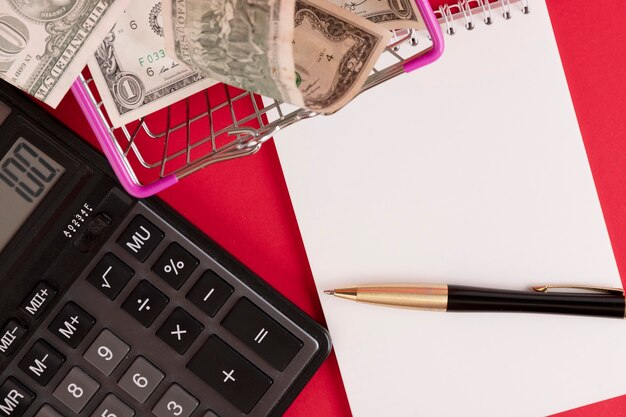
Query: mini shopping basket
x,y
221,123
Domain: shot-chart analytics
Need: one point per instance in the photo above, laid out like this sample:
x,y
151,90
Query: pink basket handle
x,y
107,142
436,35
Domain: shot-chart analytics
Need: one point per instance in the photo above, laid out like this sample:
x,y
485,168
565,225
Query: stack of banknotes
x,y
146,54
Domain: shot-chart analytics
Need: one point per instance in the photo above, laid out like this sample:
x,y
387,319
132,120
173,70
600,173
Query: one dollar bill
x,y
133,73
45,44
392,14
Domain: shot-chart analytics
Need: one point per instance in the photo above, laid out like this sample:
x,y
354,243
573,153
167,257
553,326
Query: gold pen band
x,y
419,296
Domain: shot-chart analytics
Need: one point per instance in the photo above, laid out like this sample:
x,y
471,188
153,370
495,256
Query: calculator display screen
x,y
26,176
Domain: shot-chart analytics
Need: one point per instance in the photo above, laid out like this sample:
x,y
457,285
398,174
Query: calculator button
x,y
41,362
261,333
230,374
15,398
39,300
113,407
72,324
175,265
11,336
106,352
145,303
94,229
47,411
140,238
110,276
76,389
210,414
180,330
210,293
141,379
176,402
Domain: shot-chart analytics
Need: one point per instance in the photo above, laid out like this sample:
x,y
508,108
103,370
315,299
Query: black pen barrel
x,y
463,298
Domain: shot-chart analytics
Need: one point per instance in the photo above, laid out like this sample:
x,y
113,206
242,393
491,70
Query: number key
x,y
141,379
106,352
176,403
113,407
76,389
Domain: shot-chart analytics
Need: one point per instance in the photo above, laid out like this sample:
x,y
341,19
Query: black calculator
x,y
115,307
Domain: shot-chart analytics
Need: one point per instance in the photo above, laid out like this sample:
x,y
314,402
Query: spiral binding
x,y
464,8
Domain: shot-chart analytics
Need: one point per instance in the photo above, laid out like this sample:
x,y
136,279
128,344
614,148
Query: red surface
x,y
245,207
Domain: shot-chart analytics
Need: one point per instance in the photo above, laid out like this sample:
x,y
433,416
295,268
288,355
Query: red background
x,y
244,205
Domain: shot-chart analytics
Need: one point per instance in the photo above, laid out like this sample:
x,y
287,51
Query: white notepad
x,y
470,171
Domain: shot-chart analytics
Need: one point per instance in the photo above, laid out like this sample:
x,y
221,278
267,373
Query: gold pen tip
x,y
329,292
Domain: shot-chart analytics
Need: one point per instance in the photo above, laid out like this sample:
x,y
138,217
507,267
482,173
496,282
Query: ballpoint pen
x,y
550,299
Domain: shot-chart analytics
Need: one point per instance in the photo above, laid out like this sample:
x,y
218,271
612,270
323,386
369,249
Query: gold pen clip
x,y
604,290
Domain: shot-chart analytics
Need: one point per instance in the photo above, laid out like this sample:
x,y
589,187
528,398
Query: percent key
x,y
175,265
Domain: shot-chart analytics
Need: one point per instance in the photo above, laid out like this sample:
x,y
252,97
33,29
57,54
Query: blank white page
x,y
470,171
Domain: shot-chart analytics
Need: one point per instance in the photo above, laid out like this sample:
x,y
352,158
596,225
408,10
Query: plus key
x,y
230,374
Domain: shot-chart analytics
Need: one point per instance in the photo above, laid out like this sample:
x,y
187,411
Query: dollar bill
x,y
45,44
245,43
132,71
392,14
308,53
334,53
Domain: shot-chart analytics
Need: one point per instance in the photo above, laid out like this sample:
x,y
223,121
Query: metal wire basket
x,y
222,122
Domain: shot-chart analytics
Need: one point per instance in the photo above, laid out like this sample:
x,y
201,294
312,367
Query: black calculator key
x,y
175,265
39,300
145,303
10,337
180,330
110,276
230,374
41,362
15,398
268,339
210,293
140,238
72,324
